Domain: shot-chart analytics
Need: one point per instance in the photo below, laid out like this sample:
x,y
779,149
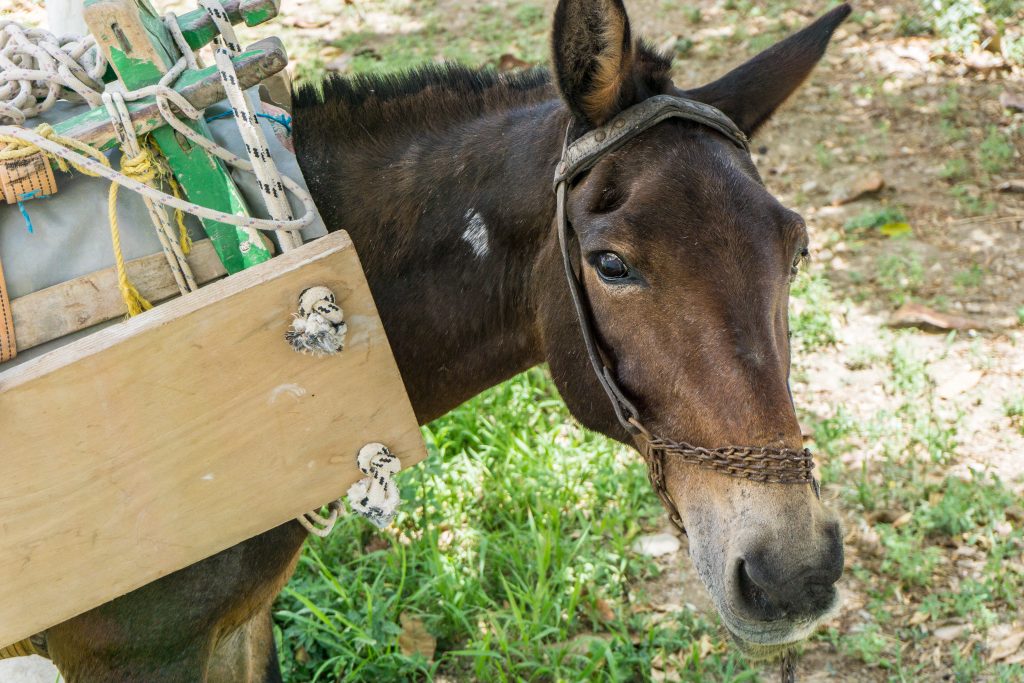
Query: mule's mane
x,y
429,97
435,96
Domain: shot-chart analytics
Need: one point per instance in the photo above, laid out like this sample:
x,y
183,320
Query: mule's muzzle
x,y
771,586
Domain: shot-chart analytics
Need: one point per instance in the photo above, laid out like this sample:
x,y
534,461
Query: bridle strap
x,y
762,464
586,150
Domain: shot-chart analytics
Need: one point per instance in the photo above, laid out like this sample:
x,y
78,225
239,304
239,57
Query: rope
x,y
244,109
139,163
375,496
18,148
37,69
319,327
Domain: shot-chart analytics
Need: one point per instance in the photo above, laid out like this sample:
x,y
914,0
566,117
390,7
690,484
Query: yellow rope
x,y
140,168
18,149
179,216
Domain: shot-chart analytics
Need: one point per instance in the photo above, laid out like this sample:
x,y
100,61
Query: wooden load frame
x,y
159,441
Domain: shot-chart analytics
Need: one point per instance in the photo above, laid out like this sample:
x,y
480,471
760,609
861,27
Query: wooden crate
x,y
162,440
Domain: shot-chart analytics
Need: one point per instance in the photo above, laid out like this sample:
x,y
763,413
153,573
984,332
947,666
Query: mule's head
x,y
686,260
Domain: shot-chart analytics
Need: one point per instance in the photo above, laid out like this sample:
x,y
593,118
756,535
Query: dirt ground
x,y
880,105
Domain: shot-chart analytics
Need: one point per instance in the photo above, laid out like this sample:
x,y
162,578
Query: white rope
x,y
191,59
319,525
319,327
376,496
169,200
165,95
245,108
37,69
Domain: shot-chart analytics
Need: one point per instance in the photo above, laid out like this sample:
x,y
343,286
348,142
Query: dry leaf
x,y
902,520
706,646
604,609
930,320
1005,646
509,62
415,639
919,618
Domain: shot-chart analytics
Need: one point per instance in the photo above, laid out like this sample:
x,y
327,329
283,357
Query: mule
x,y
443,178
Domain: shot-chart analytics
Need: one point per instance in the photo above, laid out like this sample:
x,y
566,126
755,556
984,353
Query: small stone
x,y
951,632
1011,185
869,183
656,545
810,187
1011,100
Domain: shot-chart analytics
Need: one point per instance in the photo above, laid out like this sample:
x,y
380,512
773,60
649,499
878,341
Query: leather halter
x,y
763,464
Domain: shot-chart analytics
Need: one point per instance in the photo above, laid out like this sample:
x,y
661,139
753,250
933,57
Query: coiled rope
x,y
37,69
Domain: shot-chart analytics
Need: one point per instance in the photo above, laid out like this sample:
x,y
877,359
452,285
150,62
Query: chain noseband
x,y
761,464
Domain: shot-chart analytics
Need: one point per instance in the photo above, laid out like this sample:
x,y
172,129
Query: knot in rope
x,y
319,326
376,496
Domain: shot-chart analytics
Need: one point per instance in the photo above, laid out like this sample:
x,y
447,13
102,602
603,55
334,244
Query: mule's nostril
x,y
752,596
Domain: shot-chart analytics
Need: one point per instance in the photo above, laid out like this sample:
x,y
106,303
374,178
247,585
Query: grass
x,y
900,273
513,545
513,549
1014,409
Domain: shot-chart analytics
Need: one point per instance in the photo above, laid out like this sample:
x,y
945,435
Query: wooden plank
x,y
92,299
164,439
261,60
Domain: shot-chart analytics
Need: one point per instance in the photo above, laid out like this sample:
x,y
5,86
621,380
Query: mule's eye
x,y
610,266
800,257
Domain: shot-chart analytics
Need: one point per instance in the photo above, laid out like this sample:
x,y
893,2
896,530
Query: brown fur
x,y
698,333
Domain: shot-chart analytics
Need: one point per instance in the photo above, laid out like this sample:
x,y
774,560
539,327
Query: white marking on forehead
x,y
475,233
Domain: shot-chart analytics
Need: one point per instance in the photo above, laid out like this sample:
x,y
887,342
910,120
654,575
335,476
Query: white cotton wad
x,y
376,496
319,327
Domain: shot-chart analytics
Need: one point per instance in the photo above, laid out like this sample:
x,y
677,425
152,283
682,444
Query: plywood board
x,y
162,440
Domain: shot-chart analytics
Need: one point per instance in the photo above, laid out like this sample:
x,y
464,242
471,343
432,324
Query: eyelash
x,y
801,257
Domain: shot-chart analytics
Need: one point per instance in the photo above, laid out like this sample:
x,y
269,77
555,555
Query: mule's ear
x,y
593,56
752,91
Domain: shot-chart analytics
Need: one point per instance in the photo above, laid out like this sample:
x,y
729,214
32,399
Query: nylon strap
x,y
8,345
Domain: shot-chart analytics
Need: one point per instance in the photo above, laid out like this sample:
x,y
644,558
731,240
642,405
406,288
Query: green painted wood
x,y
198,28
141,50
201,88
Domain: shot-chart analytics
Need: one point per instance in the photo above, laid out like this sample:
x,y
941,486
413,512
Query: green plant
x,y
900,274
995,151
824,156
812,308
955,169
1014,409
970,202
878,218
970,278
